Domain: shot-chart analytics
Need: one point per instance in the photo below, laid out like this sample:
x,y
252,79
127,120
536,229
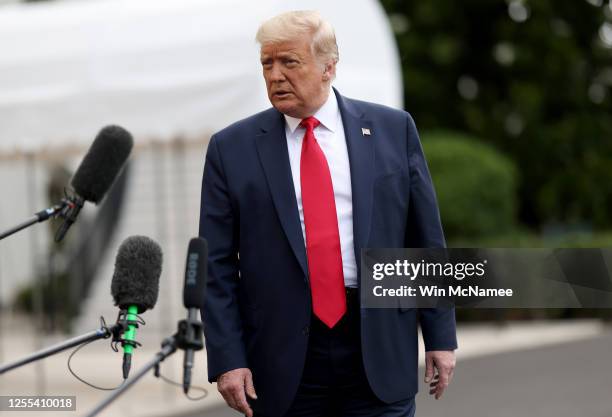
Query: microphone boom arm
x,y
67,209
39,217
103,332
188,336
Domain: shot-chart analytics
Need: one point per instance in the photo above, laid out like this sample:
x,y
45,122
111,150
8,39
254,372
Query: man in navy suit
x,y
290,196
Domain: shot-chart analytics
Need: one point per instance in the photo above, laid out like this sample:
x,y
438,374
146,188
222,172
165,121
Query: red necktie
x,y
322,236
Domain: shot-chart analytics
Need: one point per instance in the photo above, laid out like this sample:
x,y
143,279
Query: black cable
x,y
82,380
198,388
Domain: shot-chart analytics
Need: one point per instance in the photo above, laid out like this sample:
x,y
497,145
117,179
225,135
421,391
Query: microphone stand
x,y
188,336
67,209
103,332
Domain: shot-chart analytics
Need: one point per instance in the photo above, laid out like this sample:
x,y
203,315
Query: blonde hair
x,y
289,26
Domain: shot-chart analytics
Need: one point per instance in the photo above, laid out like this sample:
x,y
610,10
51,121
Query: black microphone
x,y
97,172
135,286
193,297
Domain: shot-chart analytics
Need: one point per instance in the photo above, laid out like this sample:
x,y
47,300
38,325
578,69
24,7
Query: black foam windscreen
x,y
102,163
195,273
138,266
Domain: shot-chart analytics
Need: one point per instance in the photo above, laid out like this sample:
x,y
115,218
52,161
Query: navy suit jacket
x,y
257,306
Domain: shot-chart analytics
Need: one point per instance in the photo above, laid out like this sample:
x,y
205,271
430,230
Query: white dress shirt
x,y
331,139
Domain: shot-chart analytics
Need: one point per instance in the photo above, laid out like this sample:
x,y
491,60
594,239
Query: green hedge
x,y
525,239
475,185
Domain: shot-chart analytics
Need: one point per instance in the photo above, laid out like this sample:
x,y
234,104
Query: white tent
x,y
162,67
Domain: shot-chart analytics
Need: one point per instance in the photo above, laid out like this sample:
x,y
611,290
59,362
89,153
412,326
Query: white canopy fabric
x,y
162,68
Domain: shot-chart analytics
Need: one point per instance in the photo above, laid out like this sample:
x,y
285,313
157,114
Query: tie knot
x,y
310,123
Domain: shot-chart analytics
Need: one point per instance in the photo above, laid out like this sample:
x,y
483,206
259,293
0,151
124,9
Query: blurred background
x,y
512,100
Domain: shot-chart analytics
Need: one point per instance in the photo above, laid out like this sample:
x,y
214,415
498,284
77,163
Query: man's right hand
x,y
235,385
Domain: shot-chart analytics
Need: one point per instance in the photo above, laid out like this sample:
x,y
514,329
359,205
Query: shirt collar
x,y
327,115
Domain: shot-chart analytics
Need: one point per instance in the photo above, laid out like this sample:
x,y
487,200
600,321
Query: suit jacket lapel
x,y
274,157
361,159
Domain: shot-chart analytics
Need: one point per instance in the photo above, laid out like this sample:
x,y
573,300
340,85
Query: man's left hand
x,y
444,362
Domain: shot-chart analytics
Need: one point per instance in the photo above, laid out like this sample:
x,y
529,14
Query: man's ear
x,y
329,70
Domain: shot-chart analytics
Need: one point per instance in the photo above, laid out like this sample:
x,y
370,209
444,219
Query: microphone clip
x,y
189,334
71,205
121,327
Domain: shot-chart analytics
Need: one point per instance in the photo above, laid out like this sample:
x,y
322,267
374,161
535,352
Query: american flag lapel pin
x,y
365,131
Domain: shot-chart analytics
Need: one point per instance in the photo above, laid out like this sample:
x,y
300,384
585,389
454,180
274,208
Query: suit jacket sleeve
x,y
424,230
219,225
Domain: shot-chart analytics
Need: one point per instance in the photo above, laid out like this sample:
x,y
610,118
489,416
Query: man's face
x,y
297,82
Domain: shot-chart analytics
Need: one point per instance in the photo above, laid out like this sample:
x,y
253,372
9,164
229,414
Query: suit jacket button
x,y
306,330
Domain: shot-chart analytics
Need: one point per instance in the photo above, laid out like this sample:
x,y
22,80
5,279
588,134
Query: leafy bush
x,y
524,239
475,185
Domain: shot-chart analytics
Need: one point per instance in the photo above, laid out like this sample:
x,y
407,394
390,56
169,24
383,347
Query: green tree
x,y
533,78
